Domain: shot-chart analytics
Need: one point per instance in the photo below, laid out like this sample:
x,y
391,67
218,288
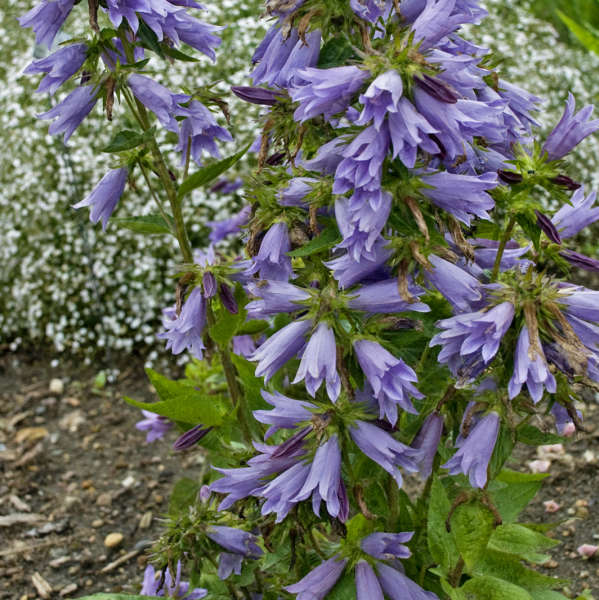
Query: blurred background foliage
x,y
67,286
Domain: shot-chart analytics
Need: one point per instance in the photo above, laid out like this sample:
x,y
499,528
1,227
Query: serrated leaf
x,y
471,526
508,567
512,491
178,55
209,173
491,588
149,39
125,140
146,225
182,402
440,542
327,239
521,541
528,434
334,53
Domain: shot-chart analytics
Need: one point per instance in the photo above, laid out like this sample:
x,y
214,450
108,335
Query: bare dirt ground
x,y
73,470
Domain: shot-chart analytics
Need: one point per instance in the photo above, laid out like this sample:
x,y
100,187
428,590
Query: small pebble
x,y
539,466
68,589
97,523
146,520
584,574
104,499
128,482
74,569
56,386
113,540
587,550
551,506
551,564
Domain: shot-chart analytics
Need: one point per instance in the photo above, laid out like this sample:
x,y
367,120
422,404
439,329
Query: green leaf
x,y
253,327
182,402
335,52
178,55
491,588
472,525
183,495
521,541
530,227
528,434
588,39
149,39
358,527
209,173
146,225
440,542
512,491
125,140
327,239
549,595
508,567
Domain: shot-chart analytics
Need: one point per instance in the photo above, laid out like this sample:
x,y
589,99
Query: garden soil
x,y
82,495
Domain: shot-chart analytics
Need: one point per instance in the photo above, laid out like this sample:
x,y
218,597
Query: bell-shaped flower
x,y
387,546
367,583
59,67
398,586
235,540
155,425
280,347
580,302
325,91
226,227
384,449
286,414
384,297
530,368
476,334
105,196
391,379
427,443
475,450
274,297
382,96
371,10
463,291
46,19
186,330
71,111
463,196
570,219
154,585
570,131
272,261
320,581
319,363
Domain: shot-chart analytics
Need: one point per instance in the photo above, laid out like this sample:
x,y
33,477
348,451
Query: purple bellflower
x,y
199,129
463,196
155,425
427,442
530,367
563,421
244,345
235,540
320,581
361,224
272,261
570,131
367,584
391,379
297,190
363,162
222,229
274,297
46,19
463,291
581,302
280,348
398,586
386,546
325,91
180,27
409,130
384,297
580,261
185,331
570,219
160,100
104,198
286,414
172,588
347,271
59,67
474,452
384,449
71,111
476,334
319,363
382,96
371,10
256,95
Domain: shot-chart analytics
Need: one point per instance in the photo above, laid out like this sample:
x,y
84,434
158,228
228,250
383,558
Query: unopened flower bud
x,y
509,177
565,181
438,89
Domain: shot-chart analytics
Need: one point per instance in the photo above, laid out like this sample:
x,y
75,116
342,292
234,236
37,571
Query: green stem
x,y
153,192
393,499
504,240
